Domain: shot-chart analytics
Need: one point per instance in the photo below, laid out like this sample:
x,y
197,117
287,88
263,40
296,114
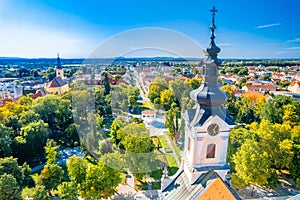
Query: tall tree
x,y
252,165
77,169
158,85
274,110
101,182
136,139
51,176
177,87
51,151
38,192
32,139
5,141
106,83
67,191
54,110
9,188
172,121
9,165
167,97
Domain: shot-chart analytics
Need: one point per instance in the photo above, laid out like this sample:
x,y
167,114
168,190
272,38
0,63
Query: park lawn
x,y
146,105
163,141
171,160
172,165
177,150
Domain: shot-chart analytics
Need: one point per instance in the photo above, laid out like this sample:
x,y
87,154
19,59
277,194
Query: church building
x,y
204,173
58,85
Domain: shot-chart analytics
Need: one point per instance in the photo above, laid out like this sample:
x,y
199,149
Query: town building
x,y
294,87
204,173
58,85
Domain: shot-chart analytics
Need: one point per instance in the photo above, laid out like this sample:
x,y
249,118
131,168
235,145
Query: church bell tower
x,y
207,125
59,69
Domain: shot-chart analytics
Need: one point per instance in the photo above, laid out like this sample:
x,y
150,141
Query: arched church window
x,y
211,150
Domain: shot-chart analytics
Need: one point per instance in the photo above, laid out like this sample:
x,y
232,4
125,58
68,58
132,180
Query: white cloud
x,y
294,40
268,25
272,44
293,48
225,44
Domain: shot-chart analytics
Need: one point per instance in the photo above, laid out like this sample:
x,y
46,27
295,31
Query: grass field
x,y
177,150
163,141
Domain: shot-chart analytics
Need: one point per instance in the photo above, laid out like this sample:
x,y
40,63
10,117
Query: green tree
x,y
136,139
245,115
38,192
230,92
9,165
26,101
177,87
273,110
252,165
9,188
243,71
28,117
172,121
101,182
70,137
102,102
194,83
5,141
158,85
276,140
51,151
67,190
54,110
14,123
82,102
32,139
238,136
290,115
167,97
118,123
295,164
77,168
106,83
51,176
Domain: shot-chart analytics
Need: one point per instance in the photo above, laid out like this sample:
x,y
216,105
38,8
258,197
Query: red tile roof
x,y
148,112
56,82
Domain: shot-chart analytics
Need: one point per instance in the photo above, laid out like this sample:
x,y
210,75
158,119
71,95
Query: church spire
x,y
58,62
213,49
209,95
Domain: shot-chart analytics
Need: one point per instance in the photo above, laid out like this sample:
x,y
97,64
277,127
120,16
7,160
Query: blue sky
x,y
245,29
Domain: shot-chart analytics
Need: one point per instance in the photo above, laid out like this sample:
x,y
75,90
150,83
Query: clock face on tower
x,y
213,129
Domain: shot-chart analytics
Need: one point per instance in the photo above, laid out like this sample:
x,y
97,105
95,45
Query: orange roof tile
x,y
255,95
148,112
217,190
294,83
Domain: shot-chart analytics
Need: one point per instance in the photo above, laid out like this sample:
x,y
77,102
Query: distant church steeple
x,y
59,69
58,62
